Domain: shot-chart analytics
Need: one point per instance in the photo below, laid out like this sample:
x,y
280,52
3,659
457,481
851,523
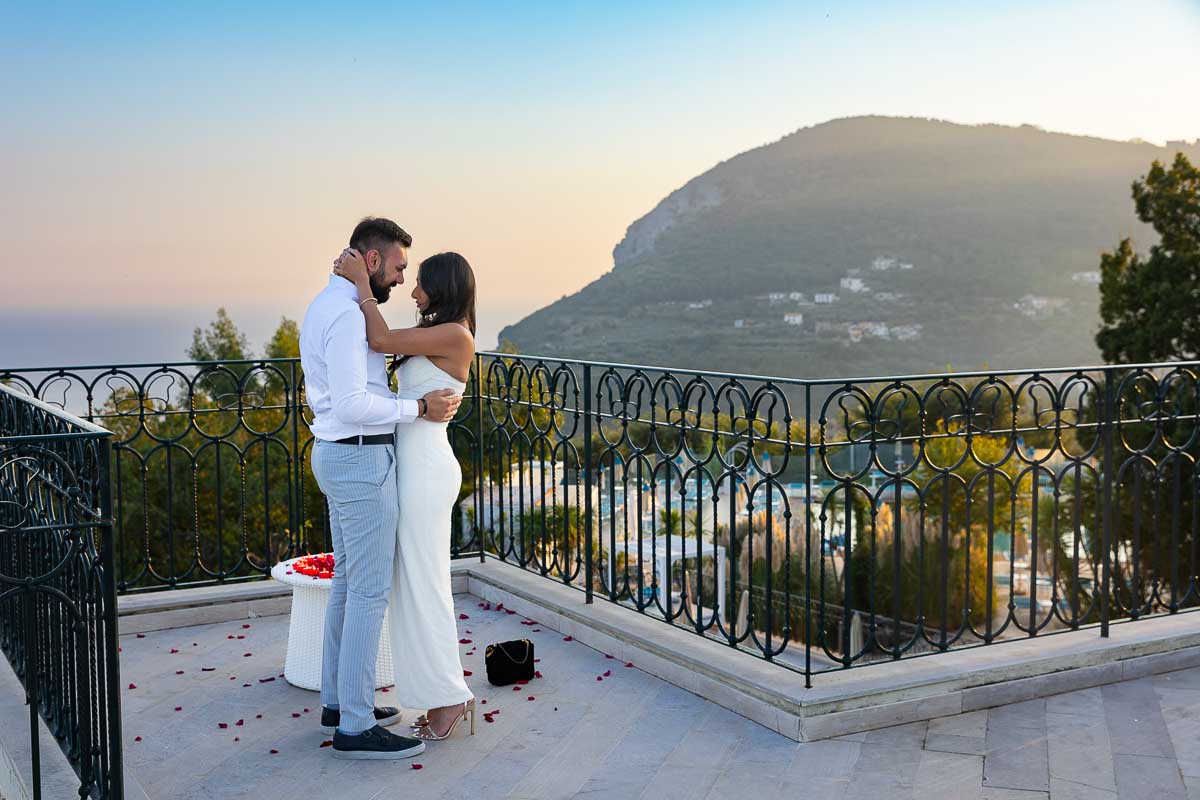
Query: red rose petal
x,y
247,655
467,673
208,669
385,689
265,680
230,636
608,673
240,636
237,738
484,702
240,722
568,638
247,625
509,611
464,641
258,716
222,725
416,766
629,663
179,708
537,674
137,738
463,616
530,697
294,715
516,688
536,660
244,685
178,672
327,743
274,752
141,636
133,686
306,711
233,677
173,651
499,606
606,655
488,718
599,678
537,630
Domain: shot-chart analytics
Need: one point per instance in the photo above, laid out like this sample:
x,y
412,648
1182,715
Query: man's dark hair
x,y
376,233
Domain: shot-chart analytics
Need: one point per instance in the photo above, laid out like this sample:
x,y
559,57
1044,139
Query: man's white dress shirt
x,y
345,381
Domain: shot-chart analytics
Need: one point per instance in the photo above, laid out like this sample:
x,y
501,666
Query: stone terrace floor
x,y
626,735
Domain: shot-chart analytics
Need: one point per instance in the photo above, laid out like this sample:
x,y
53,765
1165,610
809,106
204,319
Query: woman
x,y
437,354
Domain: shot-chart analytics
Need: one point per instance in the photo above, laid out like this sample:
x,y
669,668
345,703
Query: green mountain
x,y
945,245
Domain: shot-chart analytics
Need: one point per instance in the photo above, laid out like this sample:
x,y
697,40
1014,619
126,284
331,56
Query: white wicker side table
x,y
306,633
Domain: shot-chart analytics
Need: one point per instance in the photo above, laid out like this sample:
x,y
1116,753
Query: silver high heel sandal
x,y
425,732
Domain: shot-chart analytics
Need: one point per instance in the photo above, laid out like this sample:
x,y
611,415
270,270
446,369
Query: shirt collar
x,y
343,287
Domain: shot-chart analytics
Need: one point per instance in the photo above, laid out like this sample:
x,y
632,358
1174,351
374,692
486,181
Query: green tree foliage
x,y
1148,304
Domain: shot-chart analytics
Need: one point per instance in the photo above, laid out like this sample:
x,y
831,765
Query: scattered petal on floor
x,y
240,722
174,651
463,616
137,738
467,673
265,680
179,708
247,625
568,638
178,672
133,686
246,655
608,673
222,725
629,663
258,716
327,743
530,697
464,641
294,715
416,766
208,669
274,752
141,636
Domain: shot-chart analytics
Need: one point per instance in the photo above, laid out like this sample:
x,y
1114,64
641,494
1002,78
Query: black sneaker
x,y
385,715
376,743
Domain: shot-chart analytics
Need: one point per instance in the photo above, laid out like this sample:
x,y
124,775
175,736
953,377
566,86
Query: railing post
x,y
479,456
296,490
808,478
1106,428
588,482
112,688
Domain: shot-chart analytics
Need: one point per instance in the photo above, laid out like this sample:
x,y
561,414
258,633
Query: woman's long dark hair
x,y
449,283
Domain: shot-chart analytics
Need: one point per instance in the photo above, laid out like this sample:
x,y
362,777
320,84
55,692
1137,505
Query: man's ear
x,y
373,260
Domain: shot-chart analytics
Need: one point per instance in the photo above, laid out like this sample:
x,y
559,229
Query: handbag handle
x,y
510,658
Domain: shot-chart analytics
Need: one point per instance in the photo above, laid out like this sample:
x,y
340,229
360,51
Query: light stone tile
x,y
677,782
1193,787
1083,703
1016,759
1135,723
998,793
971,724
948,743
951,776
1080,750
1068,790
825,759
1147,778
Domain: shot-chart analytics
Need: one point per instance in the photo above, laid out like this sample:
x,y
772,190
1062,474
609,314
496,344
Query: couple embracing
x,y
384,462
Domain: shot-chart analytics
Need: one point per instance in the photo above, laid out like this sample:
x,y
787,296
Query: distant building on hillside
x,y
700,304
906,333
825,298
797,297
883,264
739,323
794,318
875,330
854,284
1090,276
887,297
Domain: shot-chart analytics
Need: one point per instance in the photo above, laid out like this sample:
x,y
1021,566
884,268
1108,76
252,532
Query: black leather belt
x,y
377,438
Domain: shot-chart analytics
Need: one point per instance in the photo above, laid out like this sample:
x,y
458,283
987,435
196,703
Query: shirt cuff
x,y
409,410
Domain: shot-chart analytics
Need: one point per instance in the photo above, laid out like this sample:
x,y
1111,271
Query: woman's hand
x,y
351,266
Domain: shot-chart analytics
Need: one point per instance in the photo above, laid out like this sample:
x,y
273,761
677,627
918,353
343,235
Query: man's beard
x,y
378,289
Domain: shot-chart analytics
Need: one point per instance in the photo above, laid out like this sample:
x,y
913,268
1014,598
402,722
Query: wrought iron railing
x,y
58,601
821,524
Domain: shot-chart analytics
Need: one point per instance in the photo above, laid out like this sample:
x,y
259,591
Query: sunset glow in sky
x,y
184,156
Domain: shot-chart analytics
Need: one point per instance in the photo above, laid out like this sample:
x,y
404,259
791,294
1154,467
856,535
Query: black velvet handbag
x,y
509,662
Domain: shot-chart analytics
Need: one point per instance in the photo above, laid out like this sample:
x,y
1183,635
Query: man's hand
x,y
351,266
442,405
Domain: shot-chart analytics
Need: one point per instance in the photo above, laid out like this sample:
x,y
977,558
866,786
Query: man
x,y
353,460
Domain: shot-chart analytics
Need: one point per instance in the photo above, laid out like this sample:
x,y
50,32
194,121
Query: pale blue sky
x,y
186,155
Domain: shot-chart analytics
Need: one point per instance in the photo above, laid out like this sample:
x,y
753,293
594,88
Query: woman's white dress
x,y
422,622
